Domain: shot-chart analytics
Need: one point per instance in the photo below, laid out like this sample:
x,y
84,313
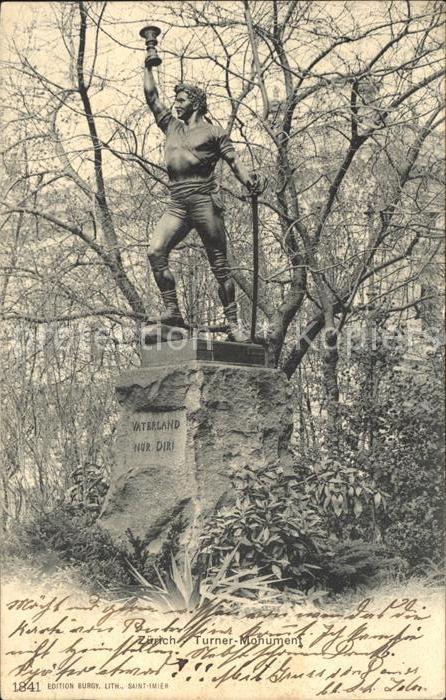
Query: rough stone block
x,y
182,429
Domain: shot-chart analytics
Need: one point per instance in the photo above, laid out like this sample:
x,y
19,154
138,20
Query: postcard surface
x,y
221,305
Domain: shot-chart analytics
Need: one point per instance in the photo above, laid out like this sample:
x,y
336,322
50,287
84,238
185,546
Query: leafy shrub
x,y
88,490
348,496
67,536
409,464
272,523
277,524
355,563
96,559
391,447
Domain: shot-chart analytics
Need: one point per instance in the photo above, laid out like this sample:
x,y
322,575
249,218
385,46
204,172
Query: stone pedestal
x,y
183,427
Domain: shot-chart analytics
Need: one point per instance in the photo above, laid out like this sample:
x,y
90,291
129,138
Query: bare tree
x,y
354,93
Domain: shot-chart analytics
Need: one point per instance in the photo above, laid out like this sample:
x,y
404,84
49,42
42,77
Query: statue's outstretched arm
x,y
157,108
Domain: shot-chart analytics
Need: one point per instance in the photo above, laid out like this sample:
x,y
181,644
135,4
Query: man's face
x,y
184,106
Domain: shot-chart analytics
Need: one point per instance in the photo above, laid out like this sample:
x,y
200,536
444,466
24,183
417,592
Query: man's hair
x,y
196,94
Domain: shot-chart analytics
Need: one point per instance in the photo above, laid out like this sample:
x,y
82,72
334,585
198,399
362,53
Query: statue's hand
x,y
256,183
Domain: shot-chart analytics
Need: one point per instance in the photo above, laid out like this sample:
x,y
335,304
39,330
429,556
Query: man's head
x,y
189,99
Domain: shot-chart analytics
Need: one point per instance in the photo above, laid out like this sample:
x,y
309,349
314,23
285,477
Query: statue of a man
x,y
193,147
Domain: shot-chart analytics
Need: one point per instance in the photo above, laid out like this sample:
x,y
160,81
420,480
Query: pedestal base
x,y
182,429
176,349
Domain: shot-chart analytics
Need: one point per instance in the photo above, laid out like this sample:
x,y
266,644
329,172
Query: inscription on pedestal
x,y
157,437
182,431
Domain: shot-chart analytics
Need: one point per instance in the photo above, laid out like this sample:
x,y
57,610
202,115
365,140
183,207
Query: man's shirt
x,y
192,152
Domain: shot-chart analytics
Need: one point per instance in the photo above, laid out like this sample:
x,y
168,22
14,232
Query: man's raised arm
x,y
152,97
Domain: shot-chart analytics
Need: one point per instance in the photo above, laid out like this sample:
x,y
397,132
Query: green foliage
x,y
277,525
272,535
414,475
273,524
405,455
67,536
148,564
347,494
432,572
68,539
384,480
355,563
177,590
87,493
183,588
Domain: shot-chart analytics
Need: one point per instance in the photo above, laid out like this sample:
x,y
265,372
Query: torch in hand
x,y
150,33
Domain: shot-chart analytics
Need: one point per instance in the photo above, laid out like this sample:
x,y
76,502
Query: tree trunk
x,y
331,389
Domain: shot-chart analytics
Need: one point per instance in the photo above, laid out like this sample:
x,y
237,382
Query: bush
x,y
280,529
271,522
61,538
355,563
409,464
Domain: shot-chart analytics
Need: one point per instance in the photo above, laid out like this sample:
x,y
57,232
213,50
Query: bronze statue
x,y
193,147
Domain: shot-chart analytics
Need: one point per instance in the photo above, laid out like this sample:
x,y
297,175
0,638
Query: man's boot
x,y
172,315
237,333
